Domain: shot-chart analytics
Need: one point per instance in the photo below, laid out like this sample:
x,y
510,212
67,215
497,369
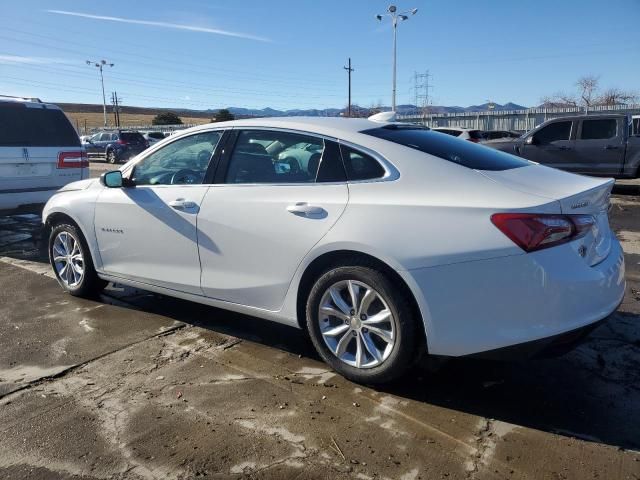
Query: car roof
x,y
329,126
28,101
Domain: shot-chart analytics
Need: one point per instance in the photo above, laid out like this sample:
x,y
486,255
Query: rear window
x,y
156,135
133,137
462,152
35,127
477,134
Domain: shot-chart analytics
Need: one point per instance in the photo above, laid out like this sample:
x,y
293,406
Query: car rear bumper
x,y
486,305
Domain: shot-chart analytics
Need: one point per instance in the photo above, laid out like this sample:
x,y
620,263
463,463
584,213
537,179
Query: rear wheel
x,y
71,261
361,324
111,157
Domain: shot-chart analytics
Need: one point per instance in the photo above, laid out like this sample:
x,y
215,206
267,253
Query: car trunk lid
x,y
575,194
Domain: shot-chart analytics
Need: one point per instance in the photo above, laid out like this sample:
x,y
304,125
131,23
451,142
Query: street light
x,y
392,11
100,65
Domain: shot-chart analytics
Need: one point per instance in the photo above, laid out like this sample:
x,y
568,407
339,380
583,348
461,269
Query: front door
x,y
147,232
553,145
272,203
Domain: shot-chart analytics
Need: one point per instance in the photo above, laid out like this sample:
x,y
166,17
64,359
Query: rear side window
x,y
462,152
35,127
360,166
554,132
599,129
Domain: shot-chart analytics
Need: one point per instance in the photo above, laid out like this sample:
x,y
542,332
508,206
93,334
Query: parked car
x,y
116,146
40,152
399,242
154,137
473,135
597,145
499,134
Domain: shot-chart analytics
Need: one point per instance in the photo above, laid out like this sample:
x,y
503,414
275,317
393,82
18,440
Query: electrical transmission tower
x,y
421,88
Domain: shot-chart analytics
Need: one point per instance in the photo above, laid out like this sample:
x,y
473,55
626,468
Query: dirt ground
x,y
135,385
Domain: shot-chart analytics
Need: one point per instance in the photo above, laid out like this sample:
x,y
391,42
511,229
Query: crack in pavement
x,y
72,368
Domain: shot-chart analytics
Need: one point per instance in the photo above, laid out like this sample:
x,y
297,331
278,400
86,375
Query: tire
x,y
81,280
382,363
111,157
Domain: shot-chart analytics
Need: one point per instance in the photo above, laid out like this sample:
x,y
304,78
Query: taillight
x,y
73,160
121,142
535,231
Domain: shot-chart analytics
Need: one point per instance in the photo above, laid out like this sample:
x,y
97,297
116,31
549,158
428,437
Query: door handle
x,y
610,147
182,204
303,208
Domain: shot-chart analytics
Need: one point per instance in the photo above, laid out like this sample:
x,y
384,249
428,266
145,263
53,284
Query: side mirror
x,y
532,140
112,179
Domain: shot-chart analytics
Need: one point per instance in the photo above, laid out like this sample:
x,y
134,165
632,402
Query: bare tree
x,y
588,88
588,95
615,96
559,99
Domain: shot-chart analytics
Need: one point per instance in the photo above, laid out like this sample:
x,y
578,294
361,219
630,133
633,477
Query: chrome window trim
x,y
391,173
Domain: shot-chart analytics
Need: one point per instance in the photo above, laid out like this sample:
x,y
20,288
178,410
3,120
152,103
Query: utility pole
x,y
421,88
349,70
100,65
116,101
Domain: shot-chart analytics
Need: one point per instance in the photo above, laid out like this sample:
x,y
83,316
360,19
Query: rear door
x,y
553,145
600,146
39,149
265,213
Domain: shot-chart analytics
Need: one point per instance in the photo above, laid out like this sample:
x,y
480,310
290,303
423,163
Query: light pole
x,y
100,65
392,11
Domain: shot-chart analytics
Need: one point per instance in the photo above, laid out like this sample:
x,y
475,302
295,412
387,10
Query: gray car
x,y
600,145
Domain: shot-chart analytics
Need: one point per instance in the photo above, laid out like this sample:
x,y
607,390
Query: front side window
x,y
599,129
183,162
554,132
273,156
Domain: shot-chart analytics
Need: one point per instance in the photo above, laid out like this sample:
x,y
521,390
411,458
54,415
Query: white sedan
x,y
397,241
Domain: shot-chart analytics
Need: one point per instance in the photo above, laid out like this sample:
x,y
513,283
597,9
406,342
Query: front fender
x,y
79,206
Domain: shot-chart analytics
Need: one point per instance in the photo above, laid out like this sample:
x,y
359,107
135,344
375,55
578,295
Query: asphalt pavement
x,y
134,385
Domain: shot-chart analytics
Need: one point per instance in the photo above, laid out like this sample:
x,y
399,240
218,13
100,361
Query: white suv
x,y
40,152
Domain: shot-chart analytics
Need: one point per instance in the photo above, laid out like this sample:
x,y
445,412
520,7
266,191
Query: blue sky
x,y
289,54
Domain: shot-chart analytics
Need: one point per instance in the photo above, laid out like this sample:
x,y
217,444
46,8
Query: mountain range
x,y
406,109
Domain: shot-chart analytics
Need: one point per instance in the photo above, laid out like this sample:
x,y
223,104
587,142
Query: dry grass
x,y
95,120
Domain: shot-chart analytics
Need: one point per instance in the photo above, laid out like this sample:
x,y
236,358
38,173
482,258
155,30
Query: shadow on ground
x,y
592,393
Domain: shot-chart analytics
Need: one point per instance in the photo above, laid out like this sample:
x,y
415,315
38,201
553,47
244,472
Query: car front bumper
x,y
481,306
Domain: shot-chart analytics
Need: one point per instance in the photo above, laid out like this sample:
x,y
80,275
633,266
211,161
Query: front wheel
x,y
361,324
71,261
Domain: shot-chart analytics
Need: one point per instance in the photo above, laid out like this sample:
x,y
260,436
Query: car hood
x,y
79,185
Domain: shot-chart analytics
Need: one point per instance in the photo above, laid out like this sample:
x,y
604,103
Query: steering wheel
x,y
185,176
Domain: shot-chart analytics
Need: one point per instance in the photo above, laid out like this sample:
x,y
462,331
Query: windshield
x,y
462,152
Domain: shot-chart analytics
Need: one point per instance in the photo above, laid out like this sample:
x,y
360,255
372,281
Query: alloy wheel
x,y
356,324
68,259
